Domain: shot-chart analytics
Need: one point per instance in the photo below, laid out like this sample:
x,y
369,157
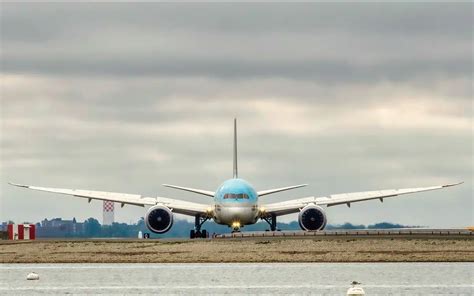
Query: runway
x,y
373,233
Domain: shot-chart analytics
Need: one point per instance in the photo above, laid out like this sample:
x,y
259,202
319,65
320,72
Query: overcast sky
x,y
124,98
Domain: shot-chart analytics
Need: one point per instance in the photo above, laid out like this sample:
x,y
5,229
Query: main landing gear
x,y
272,221
197,232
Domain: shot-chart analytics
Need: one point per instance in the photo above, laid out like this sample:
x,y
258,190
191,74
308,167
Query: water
x,y
240,278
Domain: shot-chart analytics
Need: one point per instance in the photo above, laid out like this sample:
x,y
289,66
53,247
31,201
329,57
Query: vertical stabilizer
x,y
236,175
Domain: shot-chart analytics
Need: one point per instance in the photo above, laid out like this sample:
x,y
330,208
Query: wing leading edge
x,y
177,206
294,206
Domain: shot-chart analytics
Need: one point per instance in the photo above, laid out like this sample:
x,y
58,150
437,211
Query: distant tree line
x,y
181,228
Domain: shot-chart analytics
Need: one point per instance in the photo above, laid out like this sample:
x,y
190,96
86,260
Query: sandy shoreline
x,y
255,250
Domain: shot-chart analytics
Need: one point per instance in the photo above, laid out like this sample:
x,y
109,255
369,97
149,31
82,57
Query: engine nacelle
x,y
312,218
159,219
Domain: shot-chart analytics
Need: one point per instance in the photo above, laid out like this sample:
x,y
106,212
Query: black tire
x,y
204,233
192,234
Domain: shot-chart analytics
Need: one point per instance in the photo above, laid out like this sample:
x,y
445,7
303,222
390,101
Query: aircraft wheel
x,y
192,234
204,233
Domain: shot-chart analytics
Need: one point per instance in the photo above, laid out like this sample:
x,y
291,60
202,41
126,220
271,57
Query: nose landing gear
x,y
197,232
235,226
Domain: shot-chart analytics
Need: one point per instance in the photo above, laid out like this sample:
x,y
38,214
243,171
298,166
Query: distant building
x,y
58,227
108,213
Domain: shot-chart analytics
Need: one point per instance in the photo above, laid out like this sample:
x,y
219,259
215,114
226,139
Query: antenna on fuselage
x,y
236,175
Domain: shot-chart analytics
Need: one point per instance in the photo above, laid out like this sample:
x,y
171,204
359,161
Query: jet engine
x,y
312,218
159,219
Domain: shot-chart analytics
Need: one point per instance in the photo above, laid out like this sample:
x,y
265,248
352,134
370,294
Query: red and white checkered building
x,y
21,231
108,213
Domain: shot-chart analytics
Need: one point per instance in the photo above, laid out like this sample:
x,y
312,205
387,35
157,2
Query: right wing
x,y
295,205
177,206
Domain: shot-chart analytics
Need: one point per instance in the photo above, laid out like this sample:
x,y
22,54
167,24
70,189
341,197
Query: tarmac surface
x,y
444,246
374,233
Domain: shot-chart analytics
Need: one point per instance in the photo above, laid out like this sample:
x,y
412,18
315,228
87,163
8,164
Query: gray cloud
x,y
328,43
345,97
430,18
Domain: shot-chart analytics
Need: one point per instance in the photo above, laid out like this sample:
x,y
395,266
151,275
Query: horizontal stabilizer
x,y
270,191
198,191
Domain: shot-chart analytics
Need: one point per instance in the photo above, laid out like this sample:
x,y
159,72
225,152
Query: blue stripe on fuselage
x,y
235,186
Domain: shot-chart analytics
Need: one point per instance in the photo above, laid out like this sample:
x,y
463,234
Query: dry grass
x,y
255,250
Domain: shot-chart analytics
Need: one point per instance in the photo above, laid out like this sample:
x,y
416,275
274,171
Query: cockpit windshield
x,y
236,196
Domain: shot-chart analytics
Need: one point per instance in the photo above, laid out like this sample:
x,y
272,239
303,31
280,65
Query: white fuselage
x,y
236,204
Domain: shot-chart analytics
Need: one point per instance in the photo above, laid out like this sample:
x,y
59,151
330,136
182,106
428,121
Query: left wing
x,y
177,206
294,206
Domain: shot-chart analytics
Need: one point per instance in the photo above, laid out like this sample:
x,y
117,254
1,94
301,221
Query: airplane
x,y
235,203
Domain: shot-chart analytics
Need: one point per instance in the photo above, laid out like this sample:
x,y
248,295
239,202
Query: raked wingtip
x,y
453,184
17,185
